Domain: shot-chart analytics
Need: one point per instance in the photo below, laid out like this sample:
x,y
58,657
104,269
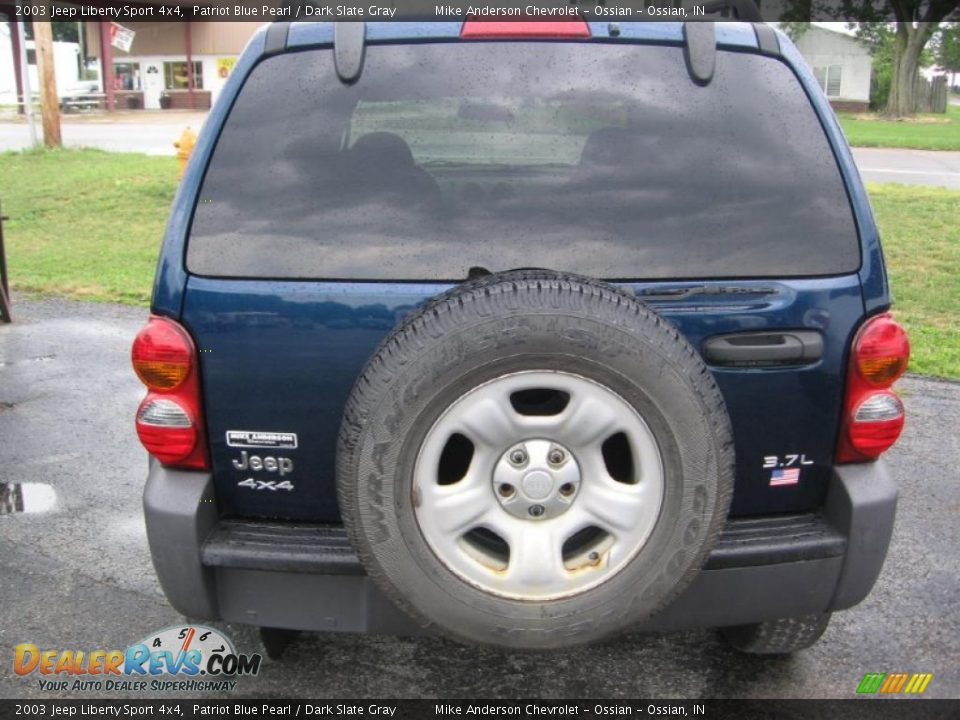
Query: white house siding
x,y
824,48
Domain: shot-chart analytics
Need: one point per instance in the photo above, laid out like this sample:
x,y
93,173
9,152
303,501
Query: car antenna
x,y
349,48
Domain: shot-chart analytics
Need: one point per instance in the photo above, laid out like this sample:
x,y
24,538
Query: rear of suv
x,y
522,333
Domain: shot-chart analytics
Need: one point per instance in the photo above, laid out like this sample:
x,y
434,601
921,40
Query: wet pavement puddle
x,y
26,498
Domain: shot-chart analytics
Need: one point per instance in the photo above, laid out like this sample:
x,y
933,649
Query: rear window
x,y
603,159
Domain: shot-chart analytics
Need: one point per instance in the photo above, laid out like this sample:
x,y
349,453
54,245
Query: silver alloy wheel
x,y
538,508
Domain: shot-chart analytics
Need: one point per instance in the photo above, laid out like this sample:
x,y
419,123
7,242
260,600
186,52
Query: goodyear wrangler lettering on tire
x,y
551,466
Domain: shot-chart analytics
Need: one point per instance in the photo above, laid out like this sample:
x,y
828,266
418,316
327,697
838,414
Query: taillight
x,y
162,354
169,420
873,415
532,29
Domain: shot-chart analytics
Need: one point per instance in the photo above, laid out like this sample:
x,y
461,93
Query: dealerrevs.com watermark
x,y
190,658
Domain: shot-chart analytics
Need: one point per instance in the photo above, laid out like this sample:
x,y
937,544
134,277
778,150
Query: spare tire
x,y
534,460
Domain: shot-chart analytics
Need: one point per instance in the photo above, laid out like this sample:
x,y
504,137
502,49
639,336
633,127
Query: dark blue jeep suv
x,y
523,333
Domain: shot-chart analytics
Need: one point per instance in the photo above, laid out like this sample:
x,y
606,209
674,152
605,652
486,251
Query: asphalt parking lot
x,y
78,575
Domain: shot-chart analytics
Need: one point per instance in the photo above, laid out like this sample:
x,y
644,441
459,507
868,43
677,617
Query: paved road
x,y
910,167
154,134
79,575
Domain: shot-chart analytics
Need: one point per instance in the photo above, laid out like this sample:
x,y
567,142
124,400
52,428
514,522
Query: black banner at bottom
x,y
865,708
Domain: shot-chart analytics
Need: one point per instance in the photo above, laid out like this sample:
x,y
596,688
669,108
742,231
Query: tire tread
x,y
481,298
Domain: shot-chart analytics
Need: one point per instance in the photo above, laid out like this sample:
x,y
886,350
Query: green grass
x,y
926,132
85,223
88,224
920,232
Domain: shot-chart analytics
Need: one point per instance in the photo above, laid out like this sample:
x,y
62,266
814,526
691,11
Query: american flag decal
x,y
785,477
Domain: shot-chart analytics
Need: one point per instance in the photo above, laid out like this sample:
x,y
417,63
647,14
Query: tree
x,y
880,39
794,30
948,51
912,38
882,51
914,23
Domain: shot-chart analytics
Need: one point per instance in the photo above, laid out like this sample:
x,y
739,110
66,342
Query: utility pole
x,y
49,101
25,84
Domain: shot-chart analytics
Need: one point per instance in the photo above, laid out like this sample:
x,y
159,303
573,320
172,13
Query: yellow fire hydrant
x,y
184,147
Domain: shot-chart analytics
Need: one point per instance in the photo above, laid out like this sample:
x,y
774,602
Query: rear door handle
x,y
791,347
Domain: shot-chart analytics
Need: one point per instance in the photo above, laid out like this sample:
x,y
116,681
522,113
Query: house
x,y
841,65
157,65
169,64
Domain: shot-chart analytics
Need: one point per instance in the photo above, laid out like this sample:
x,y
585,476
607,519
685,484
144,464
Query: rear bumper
x,y
307,577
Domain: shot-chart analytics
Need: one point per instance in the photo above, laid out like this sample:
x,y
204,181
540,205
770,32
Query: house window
x,y
829,78
176,78
126,76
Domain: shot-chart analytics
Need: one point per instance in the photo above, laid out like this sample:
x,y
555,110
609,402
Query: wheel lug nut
x,y
556,456
506,490
535,510
518,457
566,489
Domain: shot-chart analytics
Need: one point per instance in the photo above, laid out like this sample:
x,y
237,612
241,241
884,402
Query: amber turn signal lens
x,y
160,375
881,370
882,351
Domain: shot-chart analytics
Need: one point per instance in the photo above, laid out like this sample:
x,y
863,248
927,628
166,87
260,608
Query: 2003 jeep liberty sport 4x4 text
x,y
522,333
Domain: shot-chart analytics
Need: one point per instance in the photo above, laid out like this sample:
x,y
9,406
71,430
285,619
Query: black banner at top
x,y
460,10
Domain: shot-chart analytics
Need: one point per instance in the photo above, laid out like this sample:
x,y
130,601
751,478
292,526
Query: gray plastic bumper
x,y
274,575
180,513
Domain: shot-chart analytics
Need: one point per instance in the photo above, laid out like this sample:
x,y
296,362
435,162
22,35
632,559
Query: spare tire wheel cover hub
x,y
539,484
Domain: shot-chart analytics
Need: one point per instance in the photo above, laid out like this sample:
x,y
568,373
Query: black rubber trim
x,y
281,547
326,549
773,540
767,39
276,41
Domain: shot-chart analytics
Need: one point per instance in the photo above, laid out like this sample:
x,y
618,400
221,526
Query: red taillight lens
x,y
169,420
534,29
162,354
873,415
166,429
882,350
